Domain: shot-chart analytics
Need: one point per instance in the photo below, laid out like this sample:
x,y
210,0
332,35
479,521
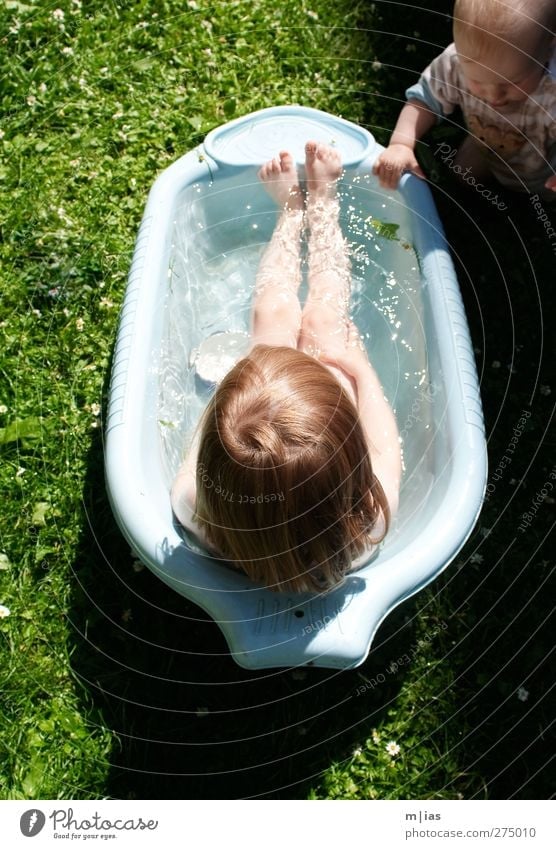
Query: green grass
x,y
112,686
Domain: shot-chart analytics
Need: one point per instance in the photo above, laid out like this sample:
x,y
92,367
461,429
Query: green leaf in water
x,y
387,229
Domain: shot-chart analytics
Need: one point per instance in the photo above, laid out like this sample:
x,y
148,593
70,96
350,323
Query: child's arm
x,y
376,415
414,121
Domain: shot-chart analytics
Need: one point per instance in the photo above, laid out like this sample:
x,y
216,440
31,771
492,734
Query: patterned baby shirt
x,y
519,138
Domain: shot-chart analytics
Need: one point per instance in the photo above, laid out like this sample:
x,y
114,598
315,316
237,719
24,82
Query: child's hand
x,y
551,183
392,163
353,360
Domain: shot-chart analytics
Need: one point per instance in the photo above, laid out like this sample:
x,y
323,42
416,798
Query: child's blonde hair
x,y
484,26
285,487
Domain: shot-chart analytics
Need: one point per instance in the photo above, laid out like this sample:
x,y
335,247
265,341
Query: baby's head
x,y
503,46
285,488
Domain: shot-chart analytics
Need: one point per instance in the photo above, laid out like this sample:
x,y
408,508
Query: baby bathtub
x,y
441,423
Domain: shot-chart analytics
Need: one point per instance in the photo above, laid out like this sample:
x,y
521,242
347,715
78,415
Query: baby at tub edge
x,y
295,467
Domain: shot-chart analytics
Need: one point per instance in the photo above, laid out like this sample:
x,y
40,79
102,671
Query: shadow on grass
x,y
502,599
190,722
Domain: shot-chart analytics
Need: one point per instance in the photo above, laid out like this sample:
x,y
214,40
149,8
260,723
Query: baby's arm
x,y
414,121
376,415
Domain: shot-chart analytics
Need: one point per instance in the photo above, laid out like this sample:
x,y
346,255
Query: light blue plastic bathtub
x,y
200,213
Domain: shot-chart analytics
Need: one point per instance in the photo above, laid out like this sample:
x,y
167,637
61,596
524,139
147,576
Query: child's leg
x,y
325,319
276,313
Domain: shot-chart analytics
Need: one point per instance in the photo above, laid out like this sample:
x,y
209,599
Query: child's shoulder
x,y
446,65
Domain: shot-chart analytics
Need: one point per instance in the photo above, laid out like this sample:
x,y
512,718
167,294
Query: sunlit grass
x,y
97,99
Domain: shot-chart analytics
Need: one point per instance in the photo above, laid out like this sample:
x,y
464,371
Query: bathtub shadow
x,y
188,723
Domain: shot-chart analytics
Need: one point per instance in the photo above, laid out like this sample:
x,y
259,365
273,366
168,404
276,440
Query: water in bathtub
x,y
220,230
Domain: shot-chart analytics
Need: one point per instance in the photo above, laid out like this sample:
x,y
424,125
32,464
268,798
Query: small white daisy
x,y
392,749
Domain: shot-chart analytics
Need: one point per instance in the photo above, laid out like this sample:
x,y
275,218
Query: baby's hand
x,y
392,163
551,183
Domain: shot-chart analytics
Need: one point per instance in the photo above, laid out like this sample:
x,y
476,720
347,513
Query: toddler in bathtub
x,y
295,467
501,71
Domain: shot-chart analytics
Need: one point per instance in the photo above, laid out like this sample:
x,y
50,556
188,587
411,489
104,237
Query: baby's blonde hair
x,y
285,487
482,27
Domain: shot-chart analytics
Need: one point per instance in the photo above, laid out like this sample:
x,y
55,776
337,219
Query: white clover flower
x,y
392,749
79,323
358,751
3,408
58,15
376,65
95,409
20,472
4,611
375,736
522,694
313,15
42,88
2,134
67,50
31,100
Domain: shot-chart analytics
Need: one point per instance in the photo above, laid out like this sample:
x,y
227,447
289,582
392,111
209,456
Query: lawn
x,y
110,685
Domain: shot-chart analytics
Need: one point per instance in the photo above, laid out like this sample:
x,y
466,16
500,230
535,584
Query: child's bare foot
x,y
323,167
279,177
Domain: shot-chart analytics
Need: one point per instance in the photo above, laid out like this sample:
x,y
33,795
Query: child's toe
x,y
311,149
